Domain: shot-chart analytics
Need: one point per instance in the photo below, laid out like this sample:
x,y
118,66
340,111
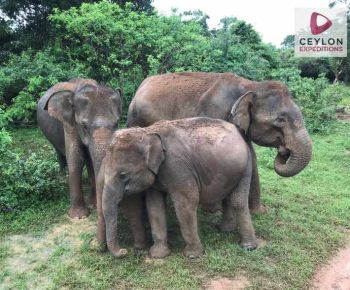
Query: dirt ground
x,y
239,283
335,274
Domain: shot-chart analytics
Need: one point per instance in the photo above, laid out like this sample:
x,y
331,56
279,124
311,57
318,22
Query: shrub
x,y
26,77
316,97
28,179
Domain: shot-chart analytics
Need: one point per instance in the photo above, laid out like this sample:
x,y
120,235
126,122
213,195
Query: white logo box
x,y
330,43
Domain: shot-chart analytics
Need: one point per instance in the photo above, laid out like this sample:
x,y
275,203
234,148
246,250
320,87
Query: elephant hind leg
x,y
61,160
239,200
229,222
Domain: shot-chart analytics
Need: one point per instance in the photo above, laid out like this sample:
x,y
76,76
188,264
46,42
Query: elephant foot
x,y
91,200
249,244
140,248
78,212
140,252
211,207
159,251
193,251
227,227
259,209
140,243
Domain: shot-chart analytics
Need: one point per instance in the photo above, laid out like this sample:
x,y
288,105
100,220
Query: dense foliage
x,y
121,45
24,24
26,179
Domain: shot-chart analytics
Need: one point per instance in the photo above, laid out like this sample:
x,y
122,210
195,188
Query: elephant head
x,y
269,117
89,112
130,166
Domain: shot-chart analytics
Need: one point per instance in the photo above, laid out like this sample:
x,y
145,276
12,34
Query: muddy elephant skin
x,y
194,160
79,117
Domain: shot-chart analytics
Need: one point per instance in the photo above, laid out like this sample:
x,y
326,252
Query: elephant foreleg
x,y
132,207
101,223
156,206
75,162
186,203
255,205
91,198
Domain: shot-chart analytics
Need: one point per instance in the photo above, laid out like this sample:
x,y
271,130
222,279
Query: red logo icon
x,y
315,29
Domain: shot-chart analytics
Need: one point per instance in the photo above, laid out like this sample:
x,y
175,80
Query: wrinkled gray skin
x,y
79,117
196,160
264,111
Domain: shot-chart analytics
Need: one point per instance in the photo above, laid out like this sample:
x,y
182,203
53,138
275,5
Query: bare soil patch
x,y
239,283
343,116
336,274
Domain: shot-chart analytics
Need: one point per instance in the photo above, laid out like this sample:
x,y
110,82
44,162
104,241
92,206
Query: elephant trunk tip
x,y
290,161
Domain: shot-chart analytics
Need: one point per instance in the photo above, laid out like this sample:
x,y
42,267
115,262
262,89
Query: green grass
x,y
29,140
307,220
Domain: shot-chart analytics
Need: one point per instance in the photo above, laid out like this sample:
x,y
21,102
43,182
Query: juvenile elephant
x,y
79,117
264,111
195,160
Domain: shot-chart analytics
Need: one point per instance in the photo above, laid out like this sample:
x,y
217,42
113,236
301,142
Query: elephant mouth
x,y
283,154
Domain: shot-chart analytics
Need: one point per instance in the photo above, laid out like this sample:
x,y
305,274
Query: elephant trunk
x,y
290,162
100,141
110,202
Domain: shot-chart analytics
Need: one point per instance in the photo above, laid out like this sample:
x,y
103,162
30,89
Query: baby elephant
x,y
195,160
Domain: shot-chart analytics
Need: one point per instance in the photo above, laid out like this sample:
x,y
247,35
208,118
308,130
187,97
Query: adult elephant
x,y
264,111
79,117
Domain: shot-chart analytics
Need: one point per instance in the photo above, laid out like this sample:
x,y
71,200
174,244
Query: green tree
x,y
238,48
289,41
122,47
26,21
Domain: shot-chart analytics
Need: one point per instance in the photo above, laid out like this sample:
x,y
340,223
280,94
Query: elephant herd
x,y
189,137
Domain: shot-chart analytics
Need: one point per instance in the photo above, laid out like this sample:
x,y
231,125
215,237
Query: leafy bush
x,y
26,77
316,107
317,98
28,179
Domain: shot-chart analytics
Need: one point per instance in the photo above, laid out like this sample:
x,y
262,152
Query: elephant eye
x,y
280,121
123,176
84,125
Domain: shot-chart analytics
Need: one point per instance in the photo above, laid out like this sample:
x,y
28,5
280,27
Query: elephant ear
x,y
119,91
240,112
155,153
59,103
